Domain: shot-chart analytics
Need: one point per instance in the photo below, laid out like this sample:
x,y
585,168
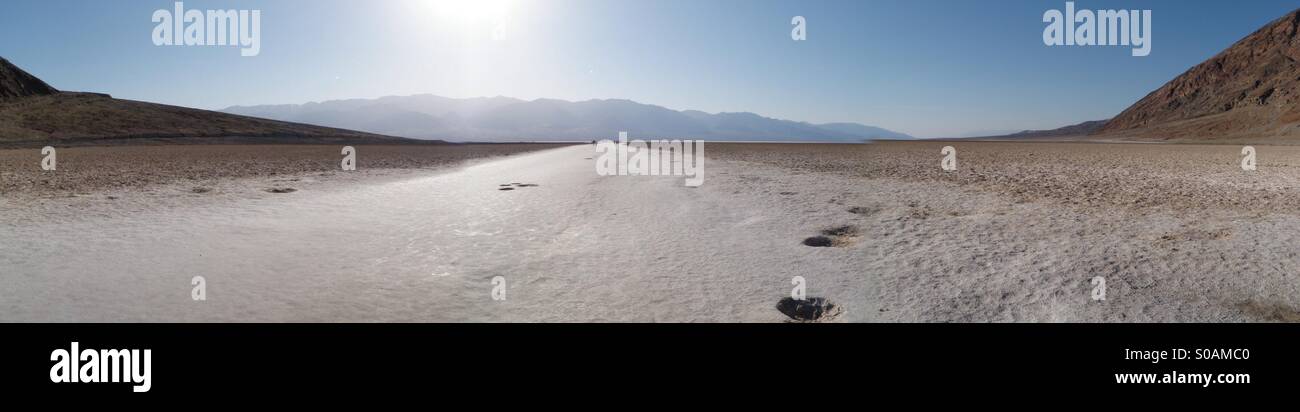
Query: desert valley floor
x,y
1017,233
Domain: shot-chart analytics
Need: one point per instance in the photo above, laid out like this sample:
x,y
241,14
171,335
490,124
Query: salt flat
x,y
1016,234
575,247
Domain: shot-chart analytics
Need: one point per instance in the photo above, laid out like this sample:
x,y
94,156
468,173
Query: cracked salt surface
x,y
581,247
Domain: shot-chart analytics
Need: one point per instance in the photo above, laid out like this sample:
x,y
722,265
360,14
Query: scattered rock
x,y
808,310
841,231
1195,234
861,210
818,241
919,213
839,236
512,186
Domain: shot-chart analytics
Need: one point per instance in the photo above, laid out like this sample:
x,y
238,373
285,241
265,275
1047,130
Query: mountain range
x,y
428,116
1067,132
1249,92
33,112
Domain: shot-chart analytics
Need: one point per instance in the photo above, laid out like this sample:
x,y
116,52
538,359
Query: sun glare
x,y
473,11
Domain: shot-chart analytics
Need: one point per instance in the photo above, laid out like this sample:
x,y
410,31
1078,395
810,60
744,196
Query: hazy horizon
x,y
944,80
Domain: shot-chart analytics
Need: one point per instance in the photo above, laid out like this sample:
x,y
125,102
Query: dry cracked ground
x,y
1020,231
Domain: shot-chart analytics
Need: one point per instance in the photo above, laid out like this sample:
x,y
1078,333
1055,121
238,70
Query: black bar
x,y
291,360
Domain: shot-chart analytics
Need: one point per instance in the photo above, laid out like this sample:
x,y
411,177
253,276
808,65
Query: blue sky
x,y
928,68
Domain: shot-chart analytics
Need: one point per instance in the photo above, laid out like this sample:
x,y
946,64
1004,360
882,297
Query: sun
x,y
473,11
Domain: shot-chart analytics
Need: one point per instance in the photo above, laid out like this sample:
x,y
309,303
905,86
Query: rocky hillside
x,y
1249,91
15,82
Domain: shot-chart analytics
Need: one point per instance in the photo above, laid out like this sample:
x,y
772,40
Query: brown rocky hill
x,y
1249,91
32,112
15,82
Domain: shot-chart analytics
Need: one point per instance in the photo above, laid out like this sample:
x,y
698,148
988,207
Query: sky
x,y
929,68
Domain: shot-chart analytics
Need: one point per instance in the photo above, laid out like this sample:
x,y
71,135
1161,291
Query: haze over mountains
x,y
428,116
1249,92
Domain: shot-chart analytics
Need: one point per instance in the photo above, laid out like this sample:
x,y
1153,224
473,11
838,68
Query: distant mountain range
x,y
34,113
429,116
1071,131
1249,92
